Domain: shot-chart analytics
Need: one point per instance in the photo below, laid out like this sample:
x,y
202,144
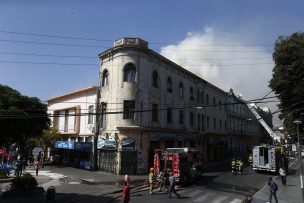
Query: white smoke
x,y
223,60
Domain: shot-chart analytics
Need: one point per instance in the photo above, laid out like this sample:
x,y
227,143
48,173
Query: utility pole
x,y
298,122
96,133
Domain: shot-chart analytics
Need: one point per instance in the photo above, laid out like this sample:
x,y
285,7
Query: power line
x,y
92,57
53,44
94,46
47,55
108,40
90,64
49,63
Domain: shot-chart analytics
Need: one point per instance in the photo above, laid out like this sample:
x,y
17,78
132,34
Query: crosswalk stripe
x,y
203,198
192,194
236,201
219,199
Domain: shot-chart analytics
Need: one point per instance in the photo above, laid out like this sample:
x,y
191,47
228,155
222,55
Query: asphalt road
x,y
214,187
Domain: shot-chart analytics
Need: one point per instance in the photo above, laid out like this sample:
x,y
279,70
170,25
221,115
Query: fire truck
x,y
177,160
265,158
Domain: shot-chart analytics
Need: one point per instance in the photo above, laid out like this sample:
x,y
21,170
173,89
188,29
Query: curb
x,y
6,180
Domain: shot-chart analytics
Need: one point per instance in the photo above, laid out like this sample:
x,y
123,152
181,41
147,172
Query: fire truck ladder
x,y
253,109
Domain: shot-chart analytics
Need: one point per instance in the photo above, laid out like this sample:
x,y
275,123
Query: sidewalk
x,y
290,194
94,186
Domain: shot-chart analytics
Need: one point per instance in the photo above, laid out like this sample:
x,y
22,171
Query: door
x,y
107,160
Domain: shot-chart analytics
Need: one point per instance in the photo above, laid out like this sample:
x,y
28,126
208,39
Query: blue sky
x,y
164,24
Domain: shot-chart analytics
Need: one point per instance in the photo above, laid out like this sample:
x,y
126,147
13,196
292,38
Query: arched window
x,y
155,79
105,78
181,89
129,73
169,84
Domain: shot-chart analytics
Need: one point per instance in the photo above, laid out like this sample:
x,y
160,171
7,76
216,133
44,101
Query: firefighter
x,y
241,166
237,166
151,180
233,166
250,160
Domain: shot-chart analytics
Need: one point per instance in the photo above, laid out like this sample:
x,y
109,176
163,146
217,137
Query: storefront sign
x,y
83,146
64,145
128,145
156,136
214,141
106,144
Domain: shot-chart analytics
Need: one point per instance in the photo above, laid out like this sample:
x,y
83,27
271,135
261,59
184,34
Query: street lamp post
x,y
298,122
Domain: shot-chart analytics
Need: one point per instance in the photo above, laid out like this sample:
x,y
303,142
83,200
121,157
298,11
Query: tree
x,y
21,117
288,79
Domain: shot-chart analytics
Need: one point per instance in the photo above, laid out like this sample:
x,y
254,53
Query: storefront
x,y
75,154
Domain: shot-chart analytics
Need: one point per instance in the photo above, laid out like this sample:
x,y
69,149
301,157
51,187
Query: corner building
x,y
149,103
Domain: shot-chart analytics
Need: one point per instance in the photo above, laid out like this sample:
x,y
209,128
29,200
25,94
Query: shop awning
x,y
3,153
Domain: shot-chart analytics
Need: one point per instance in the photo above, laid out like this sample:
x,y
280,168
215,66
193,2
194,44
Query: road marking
x,y
219,199
192,194
74,183
236,201
203,198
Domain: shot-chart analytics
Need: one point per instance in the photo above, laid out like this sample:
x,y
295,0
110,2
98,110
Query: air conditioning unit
x,y
90,127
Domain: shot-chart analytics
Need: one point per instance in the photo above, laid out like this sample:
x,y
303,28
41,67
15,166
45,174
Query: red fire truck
x,y
177,160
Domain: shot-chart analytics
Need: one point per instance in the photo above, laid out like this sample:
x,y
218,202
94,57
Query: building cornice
x,y
70,94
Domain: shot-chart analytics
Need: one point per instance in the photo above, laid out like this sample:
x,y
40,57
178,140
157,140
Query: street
x,y
216,186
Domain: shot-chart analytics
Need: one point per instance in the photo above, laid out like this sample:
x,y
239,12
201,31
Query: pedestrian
x,y
172,186
237,165
37,166
194,175
241,166
233,169
162,179
125,192
127,179
250,160
17,168
151,180
20,163
283,176
273,188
